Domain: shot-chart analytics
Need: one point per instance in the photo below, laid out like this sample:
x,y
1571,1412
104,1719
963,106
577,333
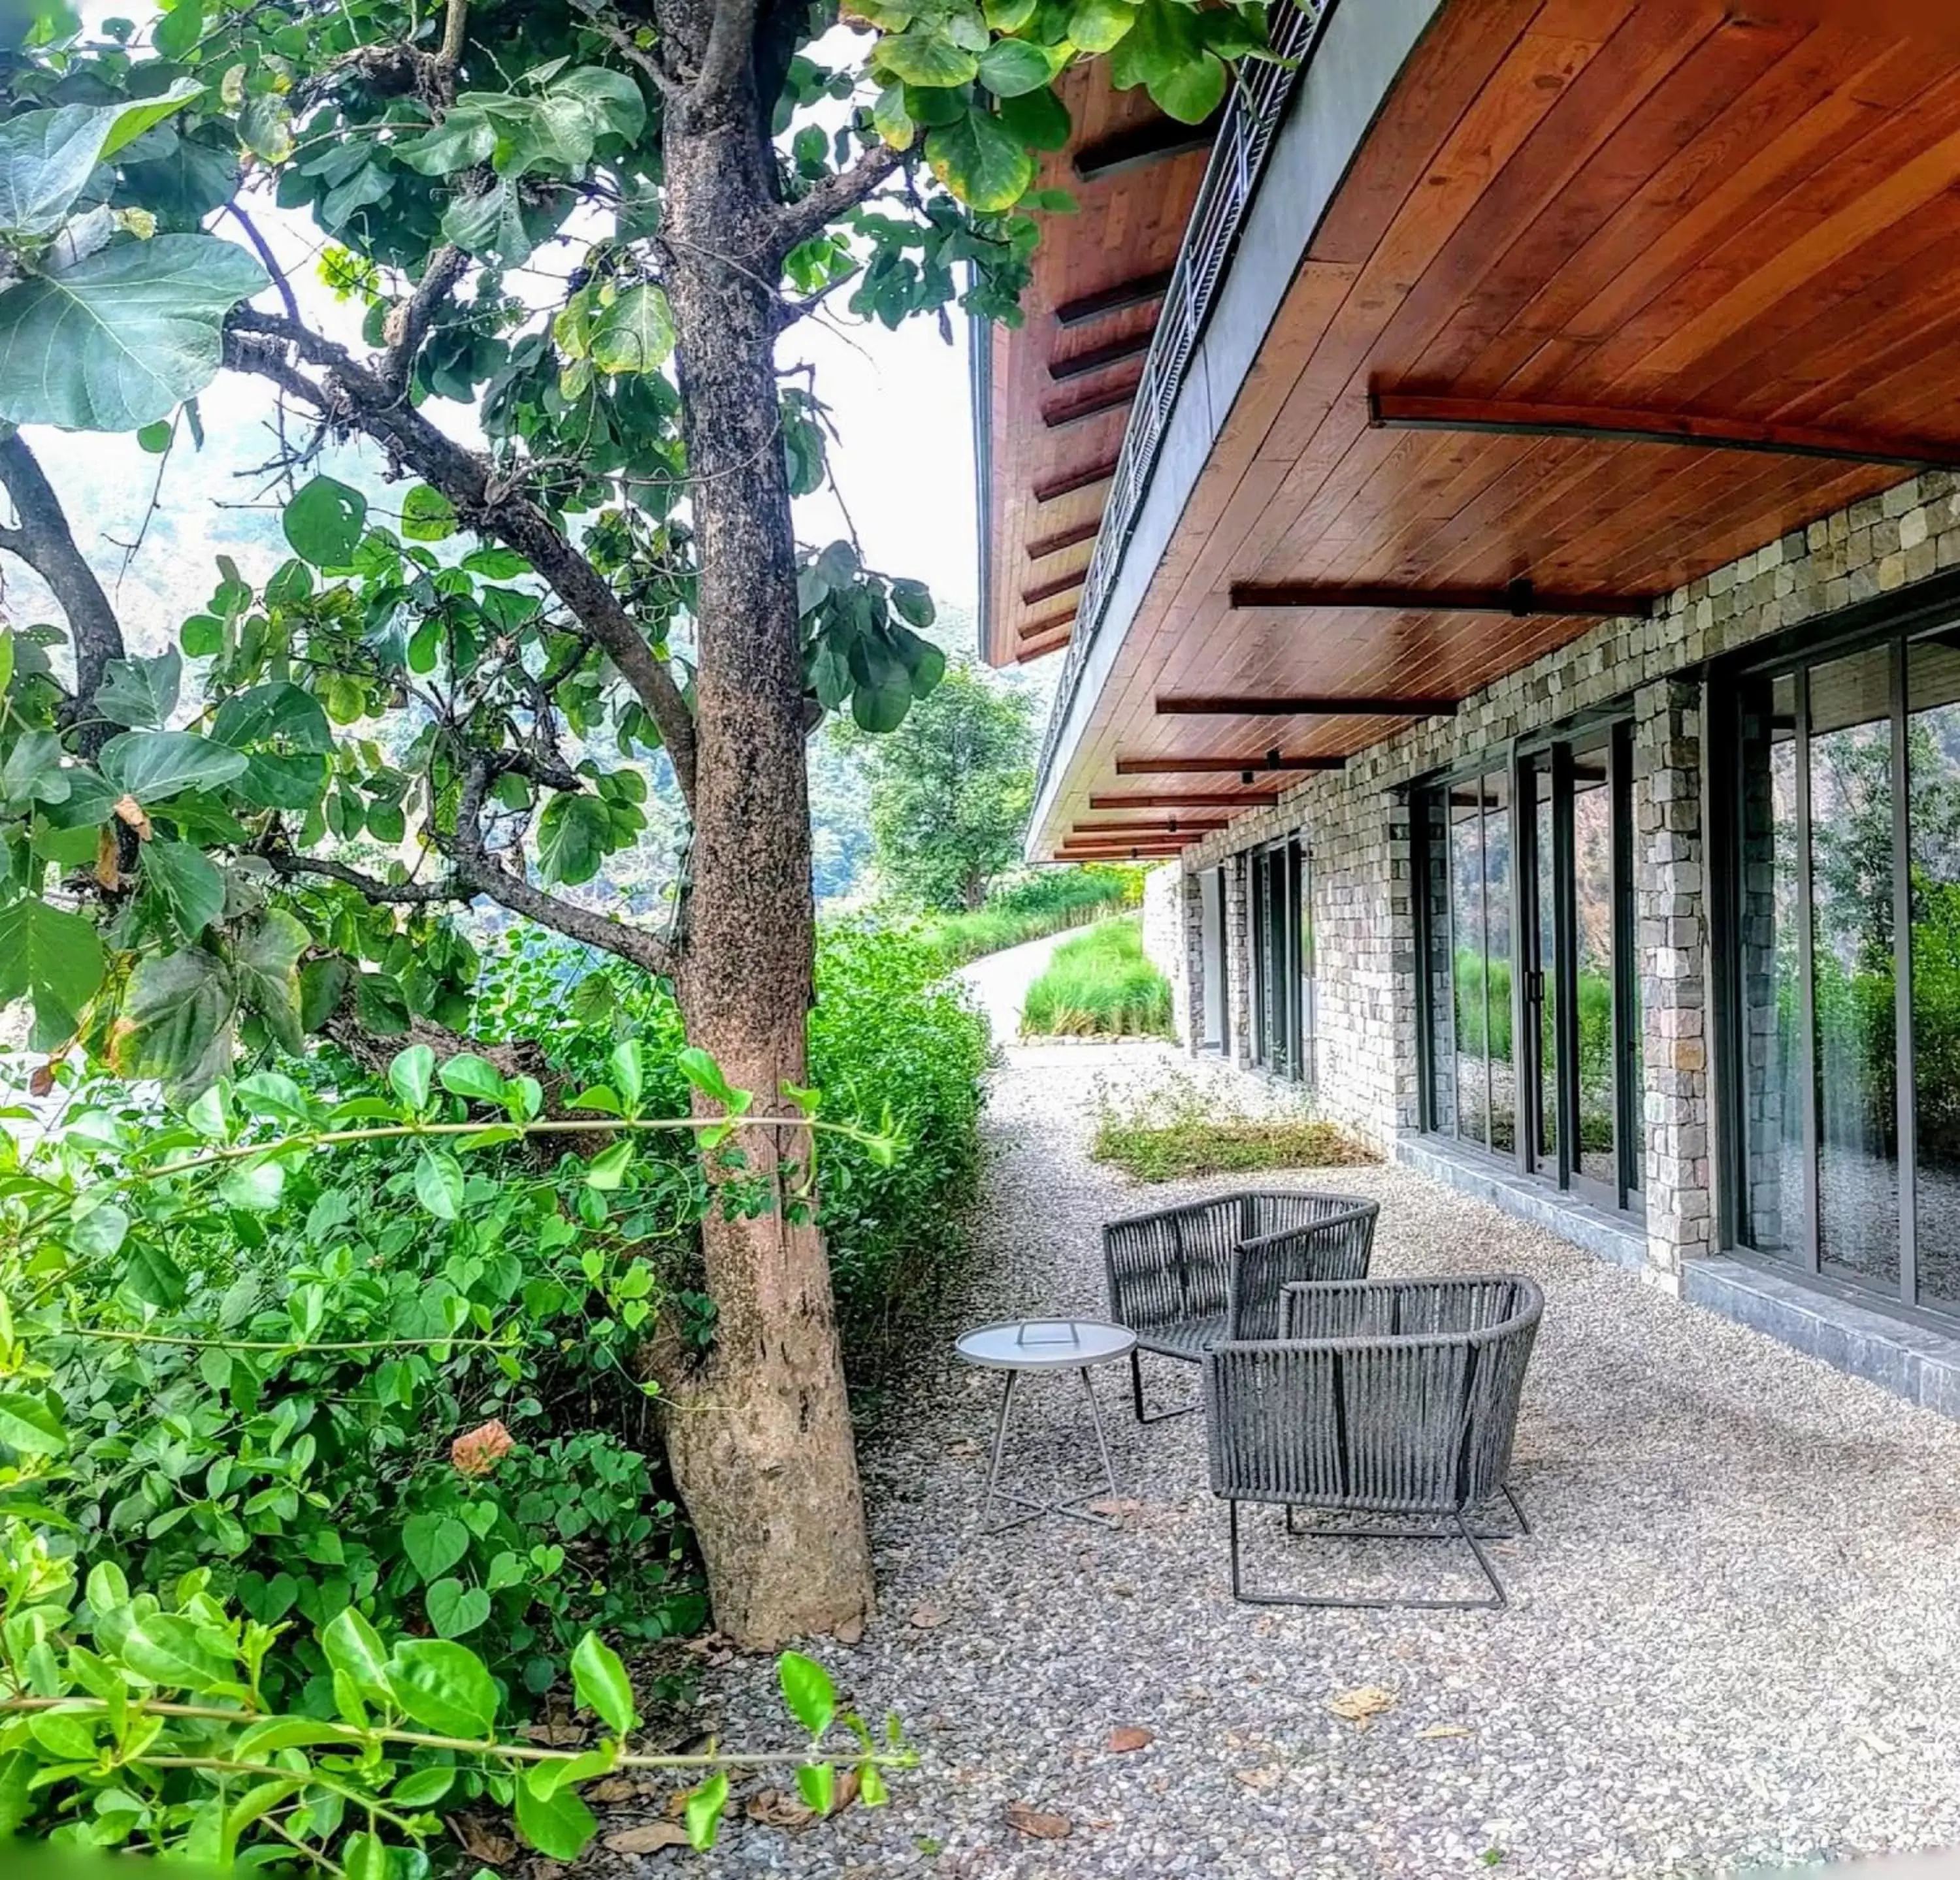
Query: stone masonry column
x,y
1238,965
1671,925
1191,992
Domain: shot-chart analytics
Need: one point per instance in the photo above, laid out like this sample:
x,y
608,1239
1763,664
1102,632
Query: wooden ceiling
x,y
1062,382
1654,210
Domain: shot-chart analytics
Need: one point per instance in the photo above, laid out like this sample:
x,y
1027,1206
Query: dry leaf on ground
x,y
1118,1505
554,1733
926,1615
1043,1827
482,1842
611,1788
1358,1705
851,1632
777,1808
1127,1737
649,1839
1435,1731
1267,1776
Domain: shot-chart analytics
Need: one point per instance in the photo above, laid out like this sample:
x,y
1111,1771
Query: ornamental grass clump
x,y
1098,984
1178,1130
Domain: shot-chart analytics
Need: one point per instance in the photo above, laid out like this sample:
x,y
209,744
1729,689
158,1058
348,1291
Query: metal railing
x,y
1261,93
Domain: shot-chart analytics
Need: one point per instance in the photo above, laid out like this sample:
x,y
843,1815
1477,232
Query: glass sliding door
x,y
1846,985
1281,912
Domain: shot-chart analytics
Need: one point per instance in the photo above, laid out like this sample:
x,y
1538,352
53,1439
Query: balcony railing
x,y
1260,96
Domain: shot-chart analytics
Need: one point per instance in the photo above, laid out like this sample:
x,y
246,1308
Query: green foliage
x,y
1045,903
951,787
1178,1130
1099,984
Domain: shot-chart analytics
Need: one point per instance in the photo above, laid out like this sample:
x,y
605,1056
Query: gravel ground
x,y
1732,1643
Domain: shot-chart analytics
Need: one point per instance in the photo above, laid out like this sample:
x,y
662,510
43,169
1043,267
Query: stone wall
x,y
1356,826
1166,890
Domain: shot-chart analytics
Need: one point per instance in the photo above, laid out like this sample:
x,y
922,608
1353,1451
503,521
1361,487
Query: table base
x,y
1069,1506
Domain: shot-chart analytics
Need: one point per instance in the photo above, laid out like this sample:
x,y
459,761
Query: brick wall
x,y
1356,826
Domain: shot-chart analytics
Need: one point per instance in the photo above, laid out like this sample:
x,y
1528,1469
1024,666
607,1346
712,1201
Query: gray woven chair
x,y
1183,1278
1396,1397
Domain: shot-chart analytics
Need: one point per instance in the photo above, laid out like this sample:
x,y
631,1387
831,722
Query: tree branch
x,y
356,397
44,541
727,52
638,56
408,324
408,894
826,200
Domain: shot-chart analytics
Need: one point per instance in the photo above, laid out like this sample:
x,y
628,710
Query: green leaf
x,y
609,1168
54,957
1010,67
921,57
354,1648
558,1825
428,515
434,1544
141,692
455,1609
152,1277
808,1691
189,886
611,97
46,157
882,708
635,334
1192,92
1038,118
444,1686
463,139
603,1686
490,226
467,1075
279,714
365,1857
1010,16
266,958
410,1075
574,835
704,1807
124,336
265,127
1097,25
255,1187
178,1017
173,1653
153,766
891,121
982,163
29,1427
324,522
439,1183
816,1782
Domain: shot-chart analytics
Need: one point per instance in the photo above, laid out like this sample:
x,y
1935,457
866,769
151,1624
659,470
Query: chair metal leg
x,y
1300,1529
1137,1397
1499,1600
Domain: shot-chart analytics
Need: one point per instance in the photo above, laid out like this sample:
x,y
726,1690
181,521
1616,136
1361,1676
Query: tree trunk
x,y
759,1436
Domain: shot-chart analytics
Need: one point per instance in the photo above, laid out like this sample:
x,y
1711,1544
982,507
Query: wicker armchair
x,y
1183,1278
1397,1398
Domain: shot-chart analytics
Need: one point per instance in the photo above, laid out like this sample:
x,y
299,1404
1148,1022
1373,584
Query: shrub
x,y
1099,984
1045,903
1179,1132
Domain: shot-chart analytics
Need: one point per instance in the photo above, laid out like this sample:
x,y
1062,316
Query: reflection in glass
x,y
1438,861
1466,902
1597,1148
1933,758
1545,965
1772,965
1497,961
1852,988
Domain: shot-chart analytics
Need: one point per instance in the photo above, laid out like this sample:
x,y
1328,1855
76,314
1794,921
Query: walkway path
x,y
1735,1637
1000,982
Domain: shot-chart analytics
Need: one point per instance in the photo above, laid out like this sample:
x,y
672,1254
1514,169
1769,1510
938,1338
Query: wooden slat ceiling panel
x,y
1660,205
1128,226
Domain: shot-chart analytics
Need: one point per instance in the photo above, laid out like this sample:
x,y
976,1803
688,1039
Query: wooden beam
x,y
1202,824
1042,629
1520,599
1137,292
1194,800
1521,418
1154,141
1064,538
1069,482
1047,590
1112,398
1118,852
1029,650
1276,705
1221,766
1112,352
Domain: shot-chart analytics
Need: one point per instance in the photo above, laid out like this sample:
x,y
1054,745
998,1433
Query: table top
x,y
1045,1344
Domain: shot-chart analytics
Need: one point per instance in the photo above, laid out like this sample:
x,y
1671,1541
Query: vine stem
x,y
294,1347
355,1739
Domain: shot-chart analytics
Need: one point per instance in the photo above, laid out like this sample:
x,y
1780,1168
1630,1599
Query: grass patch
x,y
1099,985
1179,1131
1051,901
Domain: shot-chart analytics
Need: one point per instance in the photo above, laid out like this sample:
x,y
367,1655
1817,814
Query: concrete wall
x,y
1358,826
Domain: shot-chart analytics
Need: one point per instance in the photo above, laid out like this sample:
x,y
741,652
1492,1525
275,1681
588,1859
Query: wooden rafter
x,y
1092,404
1064,538
1047,590
1190,799
1222,766
1276,705
1519,599
1111,352
1137,292
1053,624
1200,825
1154,141
1518,417
1039,649
1068,481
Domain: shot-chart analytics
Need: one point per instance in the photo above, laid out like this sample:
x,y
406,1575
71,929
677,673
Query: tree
x,y
951,789
565,240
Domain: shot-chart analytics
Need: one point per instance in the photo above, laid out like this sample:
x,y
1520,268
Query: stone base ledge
x,y
1611,1237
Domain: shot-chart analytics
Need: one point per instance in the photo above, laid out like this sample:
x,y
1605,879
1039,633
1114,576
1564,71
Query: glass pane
x,y
1592,891
1543,947
1498,960
1852,978
1466,902
1308,1016
1438,864
1933,757
1772,996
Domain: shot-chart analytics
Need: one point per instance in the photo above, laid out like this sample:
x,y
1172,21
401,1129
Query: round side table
x,y
1018,1347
